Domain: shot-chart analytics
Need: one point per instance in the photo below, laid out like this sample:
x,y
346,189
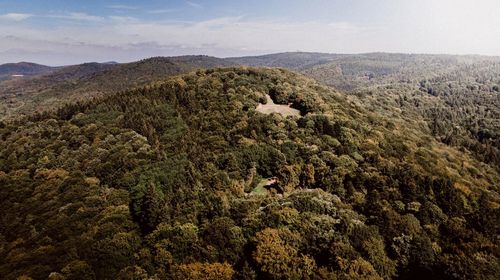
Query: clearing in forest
x,y
260,189
270,108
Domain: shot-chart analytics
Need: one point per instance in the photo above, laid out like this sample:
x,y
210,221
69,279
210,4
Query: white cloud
x,y
194,5
123,19
15,16
127,38
121,7
77,17
245,36
162,11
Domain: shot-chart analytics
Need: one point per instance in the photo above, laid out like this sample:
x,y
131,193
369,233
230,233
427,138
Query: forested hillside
x,y
166,182
457,96
23,69
289,60
80,82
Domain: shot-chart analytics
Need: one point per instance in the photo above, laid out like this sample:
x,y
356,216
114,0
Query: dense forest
x,y
80,82
457,96
166,181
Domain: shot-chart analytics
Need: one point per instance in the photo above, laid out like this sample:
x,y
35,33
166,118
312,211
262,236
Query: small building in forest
x,y
273,183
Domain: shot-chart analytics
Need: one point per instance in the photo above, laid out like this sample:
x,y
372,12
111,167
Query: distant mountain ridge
x,y
23,69
50,86
289,60
77,82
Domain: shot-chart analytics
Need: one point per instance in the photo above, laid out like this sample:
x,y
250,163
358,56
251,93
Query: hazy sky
x,y
60,32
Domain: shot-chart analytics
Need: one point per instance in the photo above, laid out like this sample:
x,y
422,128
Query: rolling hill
x,y
168,181
455,97
22,69
80,82
289,60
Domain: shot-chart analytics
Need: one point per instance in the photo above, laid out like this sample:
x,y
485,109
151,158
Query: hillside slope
x,y
166,181
23,69
457,96
454,98
80,82
289,60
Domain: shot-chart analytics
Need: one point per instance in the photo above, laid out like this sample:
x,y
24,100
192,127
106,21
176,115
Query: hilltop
x,y
454,98
23,69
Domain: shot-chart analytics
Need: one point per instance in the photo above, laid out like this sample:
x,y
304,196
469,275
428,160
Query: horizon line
x,y
257,55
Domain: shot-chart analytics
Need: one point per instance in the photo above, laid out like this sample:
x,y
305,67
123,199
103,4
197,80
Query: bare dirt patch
x,y
270,108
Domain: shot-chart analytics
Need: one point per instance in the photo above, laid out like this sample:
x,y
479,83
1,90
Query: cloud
x,y
244,35
56,53
123,19
162,11
78,17
127,38
121,7
194,5
15,16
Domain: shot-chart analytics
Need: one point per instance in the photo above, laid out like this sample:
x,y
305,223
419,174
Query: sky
x,y
62,32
